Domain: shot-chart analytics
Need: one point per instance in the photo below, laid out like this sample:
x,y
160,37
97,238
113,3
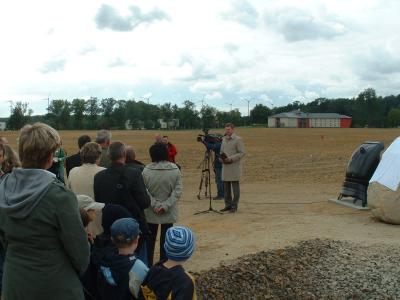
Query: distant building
x,y
3,126
299,119
172,124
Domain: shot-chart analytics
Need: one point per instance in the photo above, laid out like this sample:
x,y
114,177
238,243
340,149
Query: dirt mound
x,y
314,269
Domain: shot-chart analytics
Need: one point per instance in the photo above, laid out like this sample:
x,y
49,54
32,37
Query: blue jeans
x,y
219,182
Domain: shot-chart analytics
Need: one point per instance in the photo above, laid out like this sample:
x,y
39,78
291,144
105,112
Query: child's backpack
x,y
110,290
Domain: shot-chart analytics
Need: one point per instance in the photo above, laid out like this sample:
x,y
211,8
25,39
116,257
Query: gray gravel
x,y
315,269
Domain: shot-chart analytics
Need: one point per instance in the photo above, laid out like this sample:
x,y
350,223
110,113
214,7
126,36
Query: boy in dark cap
x,y
168,279
121,273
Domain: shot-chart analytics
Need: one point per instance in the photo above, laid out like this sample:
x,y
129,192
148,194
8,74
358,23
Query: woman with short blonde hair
x,y
90,153
42,230
81,179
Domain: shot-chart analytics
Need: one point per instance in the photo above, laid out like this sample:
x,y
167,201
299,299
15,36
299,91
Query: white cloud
x,y
109,17
243,12
214,95
299,24
275,50
55,65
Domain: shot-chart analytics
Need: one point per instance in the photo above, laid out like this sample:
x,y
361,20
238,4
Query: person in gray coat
x,y
232,152
163,181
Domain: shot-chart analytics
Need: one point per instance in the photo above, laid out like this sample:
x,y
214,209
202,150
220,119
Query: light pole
x,y
248,100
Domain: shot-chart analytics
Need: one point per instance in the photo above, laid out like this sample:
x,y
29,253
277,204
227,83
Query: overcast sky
x,y
271,51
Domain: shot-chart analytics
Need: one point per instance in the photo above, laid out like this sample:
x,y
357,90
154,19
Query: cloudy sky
x,y
222,52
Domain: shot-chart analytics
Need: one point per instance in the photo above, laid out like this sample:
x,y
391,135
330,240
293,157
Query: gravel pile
x,y
315,269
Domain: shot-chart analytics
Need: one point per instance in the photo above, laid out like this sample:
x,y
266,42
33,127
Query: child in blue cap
x,y
168,279
121,273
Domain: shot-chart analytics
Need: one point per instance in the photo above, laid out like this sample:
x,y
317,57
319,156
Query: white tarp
x,y
388,171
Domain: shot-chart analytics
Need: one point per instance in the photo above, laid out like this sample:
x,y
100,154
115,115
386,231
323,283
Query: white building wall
x,y
292,122
325,123
2,126
271,122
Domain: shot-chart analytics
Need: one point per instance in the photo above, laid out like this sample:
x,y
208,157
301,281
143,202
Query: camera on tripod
x,y
209,138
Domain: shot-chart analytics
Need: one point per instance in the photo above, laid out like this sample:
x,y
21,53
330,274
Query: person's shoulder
x,y
75,170
102,172
58,192
237,137
73,157
131,171
184,281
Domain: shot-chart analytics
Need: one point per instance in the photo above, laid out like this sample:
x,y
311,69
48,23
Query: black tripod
x,y
206,181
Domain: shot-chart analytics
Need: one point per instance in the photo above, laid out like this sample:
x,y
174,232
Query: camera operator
x,y
213,143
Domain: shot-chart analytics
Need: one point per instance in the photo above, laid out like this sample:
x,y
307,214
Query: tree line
x,y
367,110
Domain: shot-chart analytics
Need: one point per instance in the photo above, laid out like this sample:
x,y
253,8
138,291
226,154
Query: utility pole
x,y
248,100
230,106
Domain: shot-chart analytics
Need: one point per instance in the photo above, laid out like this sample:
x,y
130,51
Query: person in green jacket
x,y
40,226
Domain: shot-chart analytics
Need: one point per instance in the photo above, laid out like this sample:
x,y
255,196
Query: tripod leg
x,y
201,184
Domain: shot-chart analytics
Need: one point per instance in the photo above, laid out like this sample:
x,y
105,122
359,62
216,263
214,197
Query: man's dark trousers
x,y
228,187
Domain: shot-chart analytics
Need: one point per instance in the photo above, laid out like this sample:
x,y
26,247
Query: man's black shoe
x,y
225,209
233,210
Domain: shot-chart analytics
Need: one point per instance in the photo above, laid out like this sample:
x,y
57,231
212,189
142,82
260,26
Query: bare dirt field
x,y
289,174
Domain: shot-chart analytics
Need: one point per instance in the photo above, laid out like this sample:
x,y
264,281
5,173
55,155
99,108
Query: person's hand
x,y
159,210
90,237
228,161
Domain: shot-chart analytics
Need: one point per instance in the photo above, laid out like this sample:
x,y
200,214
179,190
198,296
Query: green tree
x,y
208,117
107,107
20,115
59,114
119,114
92,111
188,116
78,108
394,117
259,114
166,111
368,109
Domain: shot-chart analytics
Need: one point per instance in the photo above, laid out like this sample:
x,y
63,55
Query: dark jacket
x,y
119,276
72,162
216,148
41,229
113,276
135,164
162,283
124,186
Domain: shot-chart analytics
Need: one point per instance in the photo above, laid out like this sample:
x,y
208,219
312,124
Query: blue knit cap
x,y
179,243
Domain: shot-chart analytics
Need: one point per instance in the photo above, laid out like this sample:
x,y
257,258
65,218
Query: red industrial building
x,y
299,119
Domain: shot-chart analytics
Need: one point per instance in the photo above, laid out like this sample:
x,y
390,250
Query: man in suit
x,y
75,159
119,184
232,152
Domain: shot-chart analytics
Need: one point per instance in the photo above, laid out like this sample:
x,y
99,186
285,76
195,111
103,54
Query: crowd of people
x,y
92,235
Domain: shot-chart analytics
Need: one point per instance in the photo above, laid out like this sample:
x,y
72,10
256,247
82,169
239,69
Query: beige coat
x,y
164,185
233,147
80,181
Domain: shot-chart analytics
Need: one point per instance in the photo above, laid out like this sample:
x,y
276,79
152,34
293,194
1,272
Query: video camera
x,y
209,138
